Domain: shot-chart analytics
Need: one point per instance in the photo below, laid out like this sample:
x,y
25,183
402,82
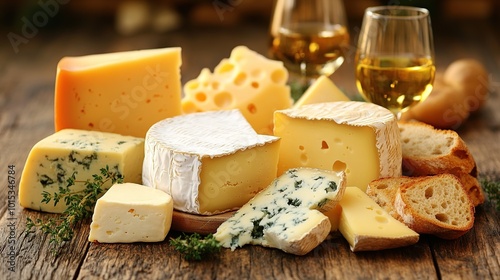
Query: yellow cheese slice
x,y
367,227
322,90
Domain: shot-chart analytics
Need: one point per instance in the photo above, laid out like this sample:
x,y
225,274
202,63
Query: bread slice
x,y
436,205
383,191
473,188
430,151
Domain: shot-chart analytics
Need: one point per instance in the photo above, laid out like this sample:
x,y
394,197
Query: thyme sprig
x,y
80,205
194,246
492,188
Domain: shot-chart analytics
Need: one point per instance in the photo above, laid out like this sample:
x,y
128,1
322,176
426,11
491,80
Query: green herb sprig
x,y
194,246
80,205
492,188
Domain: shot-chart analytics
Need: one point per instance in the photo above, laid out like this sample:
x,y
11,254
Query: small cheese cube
x,y
123,92
367,227
246,81
361,138
70,151
129,213
322,90
209,162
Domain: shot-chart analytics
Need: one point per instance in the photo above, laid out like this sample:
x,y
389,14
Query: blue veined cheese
x,y
209,162
287,215
129,213
57,157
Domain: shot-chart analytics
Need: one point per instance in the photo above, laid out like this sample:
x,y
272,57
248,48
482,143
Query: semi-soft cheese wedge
x,y
129,213
367,227
287,214
247,81
322,90
209,162
360,137
56,158
122,92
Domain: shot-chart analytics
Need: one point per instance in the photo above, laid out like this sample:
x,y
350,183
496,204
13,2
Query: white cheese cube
x,y
129,213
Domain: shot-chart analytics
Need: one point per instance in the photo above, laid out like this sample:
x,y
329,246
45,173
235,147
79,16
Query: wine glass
x,y
310,37
395,57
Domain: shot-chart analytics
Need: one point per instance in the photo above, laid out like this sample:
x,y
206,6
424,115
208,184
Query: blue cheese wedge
x,y
57,157
287,215
129,213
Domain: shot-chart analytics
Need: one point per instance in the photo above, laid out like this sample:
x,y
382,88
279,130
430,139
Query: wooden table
x,y
26,116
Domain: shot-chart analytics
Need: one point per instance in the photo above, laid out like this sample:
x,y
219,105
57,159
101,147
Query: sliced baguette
x,y
436,205
430,151
383,191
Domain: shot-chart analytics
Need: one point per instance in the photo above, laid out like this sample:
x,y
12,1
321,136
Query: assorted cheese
x,y
70,151
209,162
246,81
233,142
131,213
368,227
123,92
362,138
322,90
287,214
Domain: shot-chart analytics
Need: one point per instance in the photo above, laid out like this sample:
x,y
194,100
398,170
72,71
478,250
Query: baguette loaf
x,y
436,205
430,151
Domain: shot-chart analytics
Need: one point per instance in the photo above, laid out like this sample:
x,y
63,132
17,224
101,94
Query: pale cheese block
x,y
57,157
209,162
322,90
246,81
287,215
121,92
367,227
361,138
129,213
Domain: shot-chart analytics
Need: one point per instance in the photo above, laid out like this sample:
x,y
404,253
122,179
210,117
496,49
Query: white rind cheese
x,y
57,157
361,137
129,213
209,162
287,214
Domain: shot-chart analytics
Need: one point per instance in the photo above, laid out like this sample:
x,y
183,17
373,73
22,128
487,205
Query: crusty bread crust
x,y
430,151
436,205
383,192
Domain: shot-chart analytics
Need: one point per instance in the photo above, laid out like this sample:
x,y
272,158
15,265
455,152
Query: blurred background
x,y
40,32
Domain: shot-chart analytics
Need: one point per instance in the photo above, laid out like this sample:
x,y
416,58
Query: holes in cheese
x,y
54,159
123,92
246,81
362,138
209,162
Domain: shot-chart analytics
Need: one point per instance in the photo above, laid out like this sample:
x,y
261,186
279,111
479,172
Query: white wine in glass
x,y
309,36
395,57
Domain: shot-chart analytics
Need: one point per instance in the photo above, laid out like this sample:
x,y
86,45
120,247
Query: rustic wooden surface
x,y
26,116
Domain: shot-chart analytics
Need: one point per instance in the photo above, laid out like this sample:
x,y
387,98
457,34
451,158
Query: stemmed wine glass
x,y
309,36
395,57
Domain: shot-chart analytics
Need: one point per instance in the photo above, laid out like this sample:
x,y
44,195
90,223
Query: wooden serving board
x,y
191,223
